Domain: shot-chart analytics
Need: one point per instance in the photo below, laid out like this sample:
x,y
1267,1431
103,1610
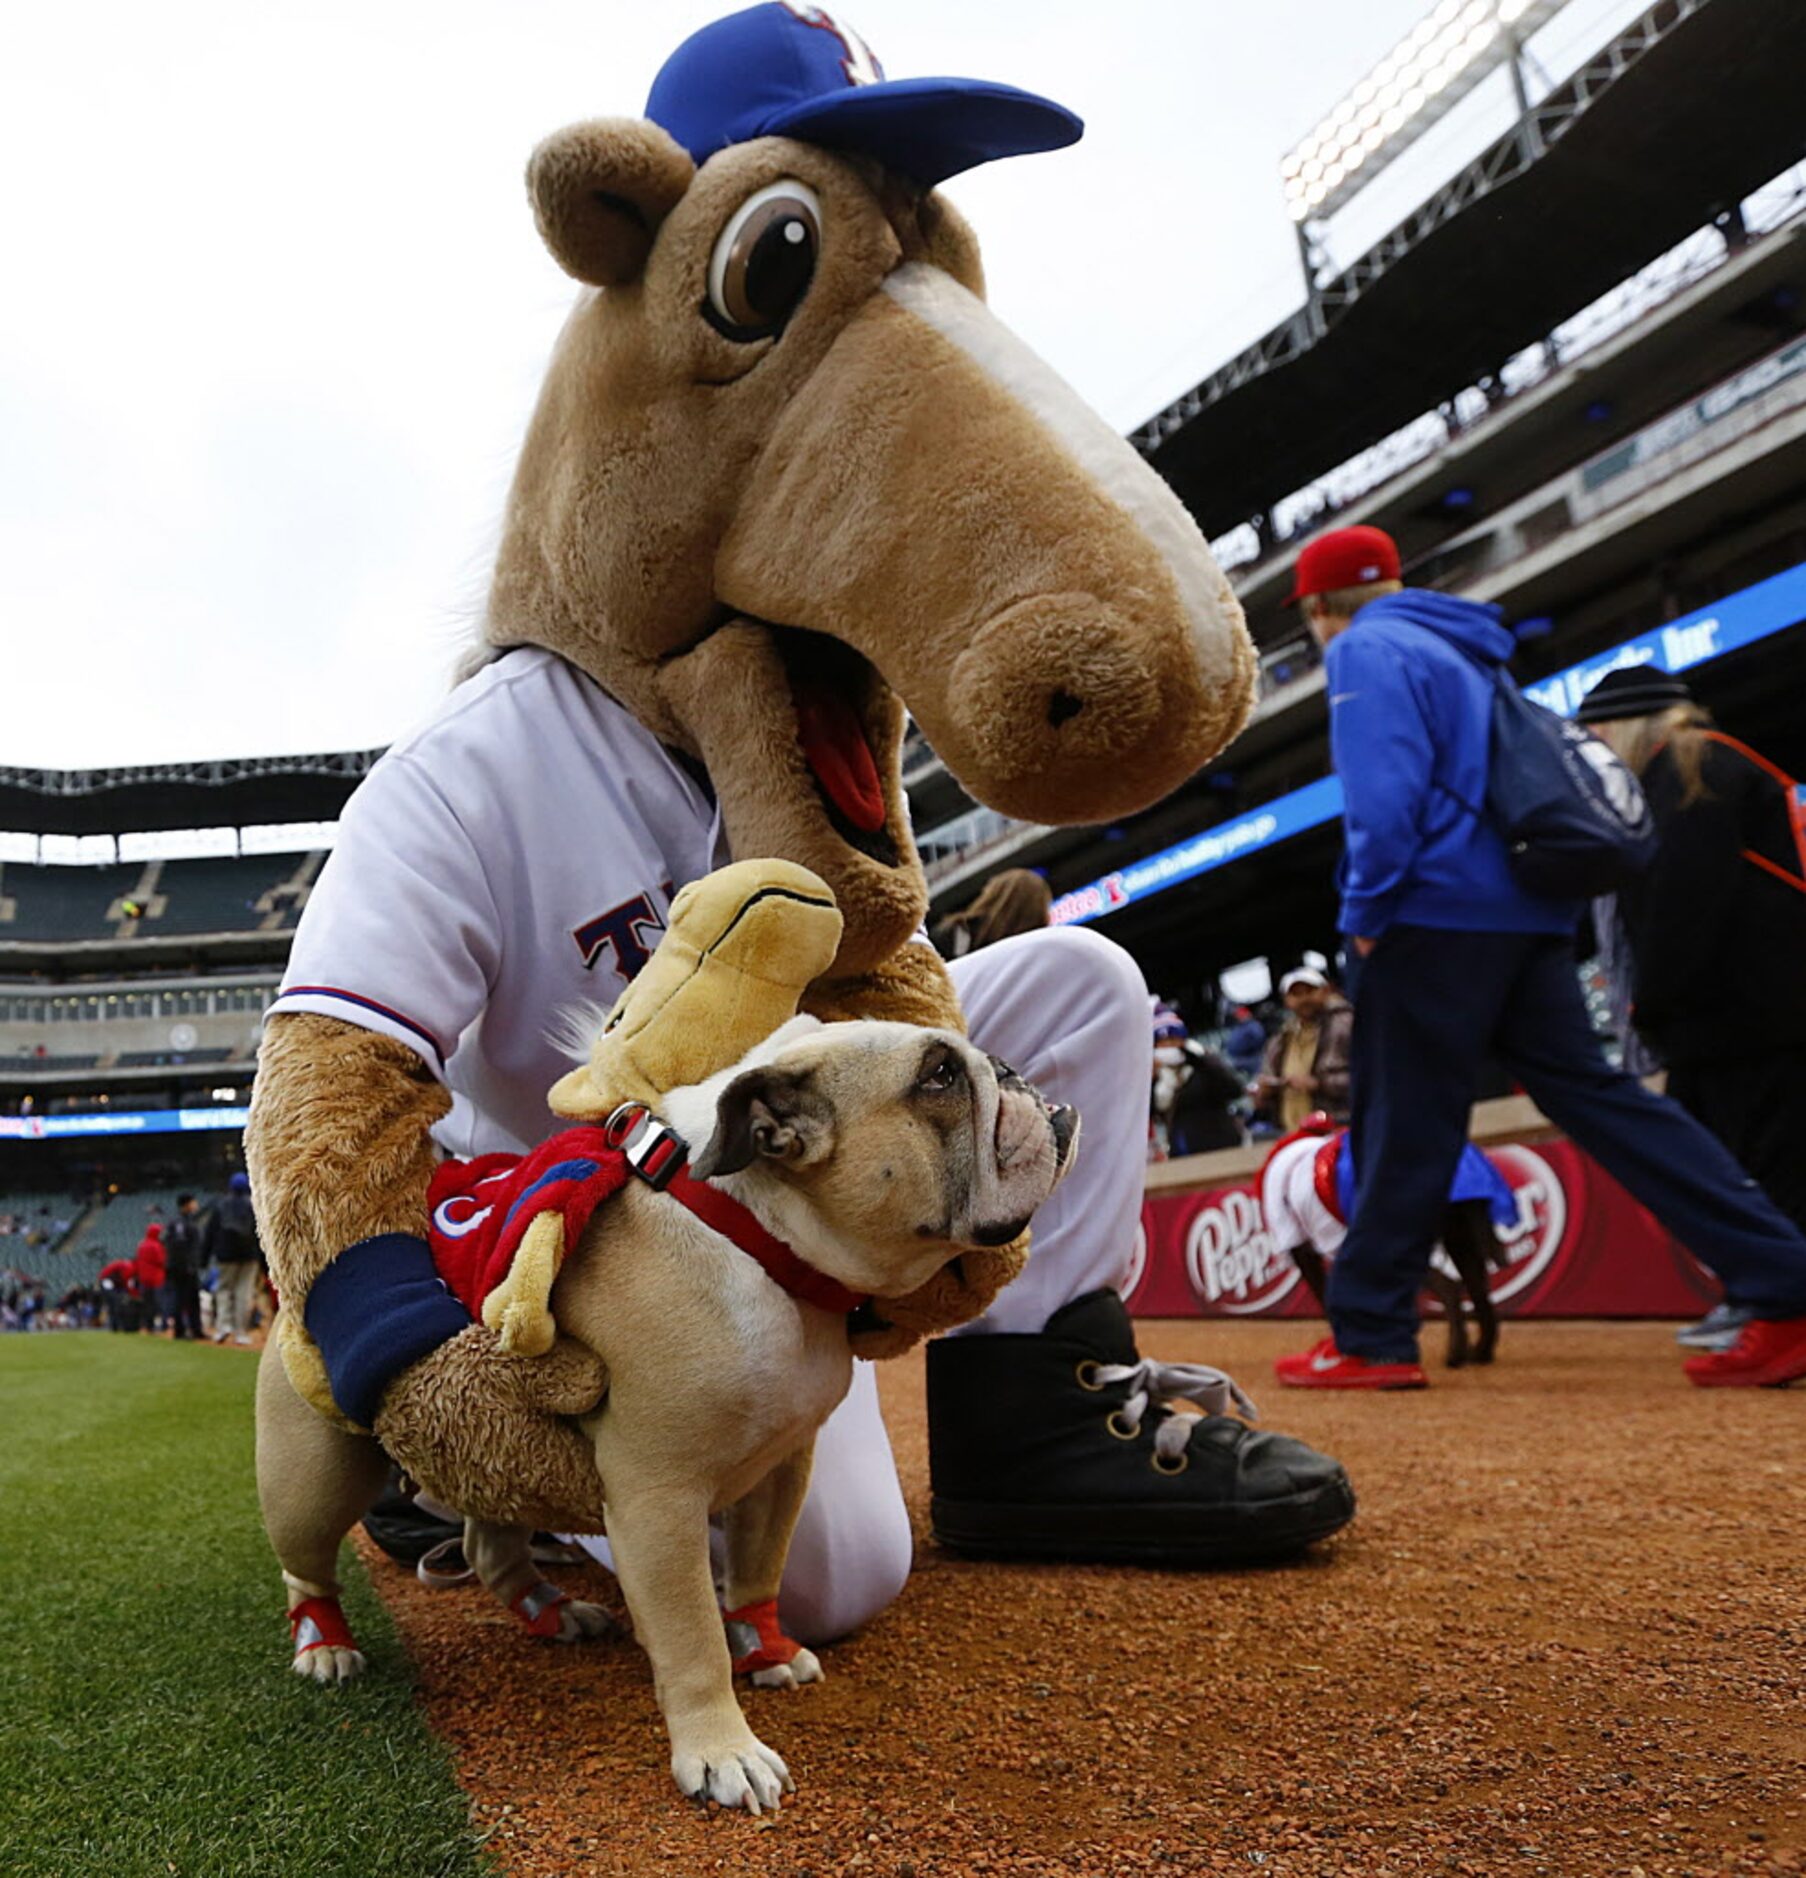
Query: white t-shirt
x,y
513,858
1293,1213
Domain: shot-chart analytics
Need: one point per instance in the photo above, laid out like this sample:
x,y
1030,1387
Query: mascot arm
x,y
912,986
340,1153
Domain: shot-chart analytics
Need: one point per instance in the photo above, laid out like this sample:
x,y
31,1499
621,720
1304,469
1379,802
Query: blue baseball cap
x,y
789,70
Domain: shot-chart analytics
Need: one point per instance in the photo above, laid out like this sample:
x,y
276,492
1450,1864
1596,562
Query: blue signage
x,y
1740,620
120,1122
1752,613
1280,819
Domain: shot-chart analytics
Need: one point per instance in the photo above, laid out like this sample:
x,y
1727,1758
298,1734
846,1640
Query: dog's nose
x,y
1064,1121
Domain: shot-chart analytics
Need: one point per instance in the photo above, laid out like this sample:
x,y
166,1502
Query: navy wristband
x,y
379,1307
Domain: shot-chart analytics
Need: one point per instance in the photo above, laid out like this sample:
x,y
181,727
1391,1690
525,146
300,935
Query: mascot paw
x,y
485,1430
804,1666
964,1288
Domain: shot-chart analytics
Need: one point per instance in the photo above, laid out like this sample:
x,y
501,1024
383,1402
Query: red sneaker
x,y
1325,1367
1770,1352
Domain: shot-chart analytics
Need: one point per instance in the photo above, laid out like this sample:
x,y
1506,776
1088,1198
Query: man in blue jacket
x,y
1454,961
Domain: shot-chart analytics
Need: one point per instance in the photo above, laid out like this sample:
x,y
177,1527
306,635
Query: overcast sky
x,y
276,312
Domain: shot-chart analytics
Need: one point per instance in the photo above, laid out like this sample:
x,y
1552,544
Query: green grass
x,y
148,1721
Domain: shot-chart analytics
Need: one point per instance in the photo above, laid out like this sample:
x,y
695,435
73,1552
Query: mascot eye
x,y
763,262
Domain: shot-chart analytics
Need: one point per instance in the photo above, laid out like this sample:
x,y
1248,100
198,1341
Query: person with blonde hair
x,y
1015,901
1717,927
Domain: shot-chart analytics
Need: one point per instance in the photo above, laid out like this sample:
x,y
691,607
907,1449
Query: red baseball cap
x,y
1344,557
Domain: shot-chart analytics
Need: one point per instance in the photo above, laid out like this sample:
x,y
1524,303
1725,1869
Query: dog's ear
x,y
766,1114
600,191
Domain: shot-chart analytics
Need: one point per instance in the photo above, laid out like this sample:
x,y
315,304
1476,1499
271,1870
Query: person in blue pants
x,y
1455,962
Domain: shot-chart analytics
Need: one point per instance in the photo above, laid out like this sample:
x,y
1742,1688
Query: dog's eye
x,y
763,262
941,1075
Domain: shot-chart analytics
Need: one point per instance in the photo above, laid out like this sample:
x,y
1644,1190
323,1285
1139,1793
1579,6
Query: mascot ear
x,y
600,191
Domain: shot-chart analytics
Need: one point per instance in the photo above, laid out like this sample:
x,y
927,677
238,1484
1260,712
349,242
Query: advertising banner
x,y
1580,1247
120,1122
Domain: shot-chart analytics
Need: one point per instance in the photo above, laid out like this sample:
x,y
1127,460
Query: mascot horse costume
x,y
787,479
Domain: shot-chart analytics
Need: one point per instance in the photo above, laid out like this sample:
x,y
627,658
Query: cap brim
x,y
930,128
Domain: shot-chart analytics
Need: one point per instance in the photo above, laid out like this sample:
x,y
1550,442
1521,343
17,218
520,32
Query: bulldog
x,y
855,1160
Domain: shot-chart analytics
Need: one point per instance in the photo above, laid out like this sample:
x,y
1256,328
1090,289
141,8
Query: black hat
x,y
1632,691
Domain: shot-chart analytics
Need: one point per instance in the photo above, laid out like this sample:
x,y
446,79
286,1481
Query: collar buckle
x,y
652,1148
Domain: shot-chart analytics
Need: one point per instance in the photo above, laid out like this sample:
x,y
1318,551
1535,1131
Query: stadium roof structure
x,y
231,792
1686,111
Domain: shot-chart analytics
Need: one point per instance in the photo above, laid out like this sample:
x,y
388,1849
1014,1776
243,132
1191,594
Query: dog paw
x,y
804,1666
586,1623
327,1663
744,1774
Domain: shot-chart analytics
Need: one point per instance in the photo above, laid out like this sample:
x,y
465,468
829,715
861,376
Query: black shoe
x,y
1033,1453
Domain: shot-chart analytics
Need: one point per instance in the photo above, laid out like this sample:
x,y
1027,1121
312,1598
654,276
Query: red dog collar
x,y
785,1267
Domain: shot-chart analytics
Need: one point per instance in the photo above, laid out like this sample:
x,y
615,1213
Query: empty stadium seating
x,y
61,902
114,1231
184,899
221,895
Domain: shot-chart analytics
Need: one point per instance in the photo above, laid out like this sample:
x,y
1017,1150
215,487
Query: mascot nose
x,y
1055,690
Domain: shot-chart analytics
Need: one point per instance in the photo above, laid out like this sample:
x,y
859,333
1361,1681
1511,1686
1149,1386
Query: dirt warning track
x,y
1565,1636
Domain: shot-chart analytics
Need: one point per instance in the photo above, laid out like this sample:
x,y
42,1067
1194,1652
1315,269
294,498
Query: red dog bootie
x,y
757,1639
319,1624
540,1609
1768,1353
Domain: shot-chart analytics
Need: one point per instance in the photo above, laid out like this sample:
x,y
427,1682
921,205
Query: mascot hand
x,y
912,986
964,1288
484,1431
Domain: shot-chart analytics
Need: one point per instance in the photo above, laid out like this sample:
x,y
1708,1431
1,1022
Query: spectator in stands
x,y
118,1283
1717,927
1201,1117
1305,1067
152,1267
1246,1042
182,1243
1457,960
231,1241
1015,901
80,1306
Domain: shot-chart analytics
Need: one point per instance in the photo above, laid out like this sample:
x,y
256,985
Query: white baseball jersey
x,y
514,857
1290,1204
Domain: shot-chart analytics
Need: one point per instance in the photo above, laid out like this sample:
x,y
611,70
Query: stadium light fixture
x,y
1429,71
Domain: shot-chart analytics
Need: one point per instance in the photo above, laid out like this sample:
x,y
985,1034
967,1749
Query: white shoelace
x,y
1151,1382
